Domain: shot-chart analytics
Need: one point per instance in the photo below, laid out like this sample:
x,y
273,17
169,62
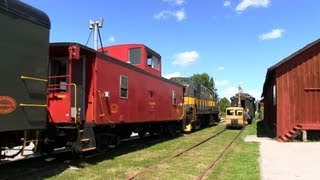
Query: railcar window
x,y
174,98
58,74
123,87
135,56
230,112
152,61
239,113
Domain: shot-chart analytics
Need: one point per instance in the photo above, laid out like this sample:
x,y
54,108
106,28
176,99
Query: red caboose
x,y
97,97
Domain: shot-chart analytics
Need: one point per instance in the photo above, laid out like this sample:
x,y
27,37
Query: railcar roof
x,y
100,54
26,11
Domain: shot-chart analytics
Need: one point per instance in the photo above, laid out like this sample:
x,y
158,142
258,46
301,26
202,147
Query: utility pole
x,y
94,26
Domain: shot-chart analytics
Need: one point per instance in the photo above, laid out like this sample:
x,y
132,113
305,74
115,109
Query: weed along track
x,y
215,160
151,167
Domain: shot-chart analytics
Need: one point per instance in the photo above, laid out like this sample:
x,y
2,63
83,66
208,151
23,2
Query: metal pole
x,y
95,25
239,95
95,36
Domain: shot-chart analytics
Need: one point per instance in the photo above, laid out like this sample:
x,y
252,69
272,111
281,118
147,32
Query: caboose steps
x,y
85,140
88,149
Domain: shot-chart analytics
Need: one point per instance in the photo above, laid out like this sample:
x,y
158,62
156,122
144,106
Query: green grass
x,y
241,162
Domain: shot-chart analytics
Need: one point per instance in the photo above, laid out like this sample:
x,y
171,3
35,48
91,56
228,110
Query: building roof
x,y
243,95
271,70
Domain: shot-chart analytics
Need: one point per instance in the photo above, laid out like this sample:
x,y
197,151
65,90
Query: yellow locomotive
x,y
235,117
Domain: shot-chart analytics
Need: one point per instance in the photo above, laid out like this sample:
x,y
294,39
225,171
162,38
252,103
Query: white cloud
x,y
227,92
111,39
274,34
230,91
175,2
185,58
180,15
220,68
226,3
255,93
244,4
175,74
221,83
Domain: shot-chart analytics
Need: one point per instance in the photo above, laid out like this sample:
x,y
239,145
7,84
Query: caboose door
x,y
66,96
59,90
78,77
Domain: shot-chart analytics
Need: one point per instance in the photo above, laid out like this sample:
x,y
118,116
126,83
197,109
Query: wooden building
x,y
291,93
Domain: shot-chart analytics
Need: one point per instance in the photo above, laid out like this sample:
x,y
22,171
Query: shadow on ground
x,y
264,131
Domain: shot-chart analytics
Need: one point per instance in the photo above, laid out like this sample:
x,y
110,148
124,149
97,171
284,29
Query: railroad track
x,y
140,172
215,160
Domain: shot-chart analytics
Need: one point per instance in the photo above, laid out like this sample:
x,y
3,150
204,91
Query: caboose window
x,y
135,55
123,86
174,98
152,61
58,74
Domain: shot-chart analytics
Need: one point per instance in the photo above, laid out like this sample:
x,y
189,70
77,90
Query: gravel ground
x,y
288,161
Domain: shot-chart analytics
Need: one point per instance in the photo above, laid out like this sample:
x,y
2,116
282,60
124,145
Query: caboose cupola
x,y
138,55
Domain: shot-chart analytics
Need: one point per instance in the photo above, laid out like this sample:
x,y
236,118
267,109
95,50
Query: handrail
x,y
59,76
75,101
33,78
101,106
183,114
32,105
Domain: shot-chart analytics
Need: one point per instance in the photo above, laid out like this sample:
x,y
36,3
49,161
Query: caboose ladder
x,y
85,140
34,139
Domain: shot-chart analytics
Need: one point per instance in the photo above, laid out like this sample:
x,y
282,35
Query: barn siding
x,y
297,81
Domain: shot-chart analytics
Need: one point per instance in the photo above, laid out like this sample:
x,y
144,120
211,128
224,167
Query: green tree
x,y
224,103
204,79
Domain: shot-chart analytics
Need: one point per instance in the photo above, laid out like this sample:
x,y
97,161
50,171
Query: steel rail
x,y
214,161
138,173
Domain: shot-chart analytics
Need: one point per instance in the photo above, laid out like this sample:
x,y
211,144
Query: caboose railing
x,y
54,87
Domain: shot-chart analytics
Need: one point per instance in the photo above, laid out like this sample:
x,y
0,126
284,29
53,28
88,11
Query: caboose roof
x,y
110,58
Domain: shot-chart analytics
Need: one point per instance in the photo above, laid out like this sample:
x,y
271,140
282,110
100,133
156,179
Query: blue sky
x,y
234,41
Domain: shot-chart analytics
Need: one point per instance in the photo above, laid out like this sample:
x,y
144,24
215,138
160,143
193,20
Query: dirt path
x,y
287,161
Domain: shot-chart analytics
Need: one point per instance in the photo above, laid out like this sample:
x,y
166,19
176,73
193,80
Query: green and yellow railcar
x,y
200,104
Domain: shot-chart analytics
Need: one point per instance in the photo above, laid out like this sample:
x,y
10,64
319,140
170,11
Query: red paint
x,y
297,80
149,95
120,52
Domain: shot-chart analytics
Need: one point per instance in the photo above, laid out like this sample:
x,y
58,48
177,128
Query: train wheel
x,y
142,134
196,125
46,149
103,142
211,120
76,153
